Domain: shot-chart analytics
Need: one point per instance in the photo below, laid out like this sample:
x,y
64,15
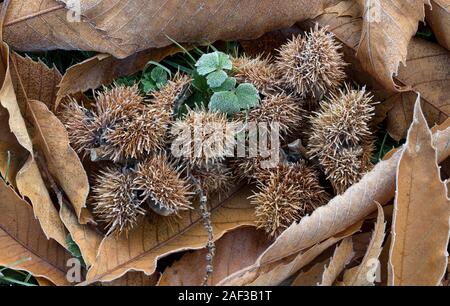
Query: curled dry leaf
x,y
234,251
421,227
341,212
24,244
85,236
275,273
28,179
153,239
103,69
341,257
438,16
388,26
313,276
363,275
427,71
110,26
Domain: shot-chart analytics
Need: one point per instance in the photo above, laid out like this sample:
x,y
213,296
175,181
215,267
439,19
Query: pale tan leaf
x,y
39,81
63,163
313,276
341,257
32,186
438,16
341,212
85,236
140,250
9,101
234,251
103,69
24,245
134,278
35,80
421,227
362,275
122,28
274,273
388,26
28,179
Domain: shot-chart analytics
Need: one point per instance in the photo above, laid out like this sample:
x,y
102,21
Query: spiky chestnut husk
x,y
311,65
115,202
81,126
285,195
341,137
159,182
259,71
281,109
166,97
217,178
203,138
120,127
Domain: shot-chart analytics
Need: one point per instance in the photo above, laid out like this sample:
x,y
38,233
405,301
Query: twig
x,y
206,216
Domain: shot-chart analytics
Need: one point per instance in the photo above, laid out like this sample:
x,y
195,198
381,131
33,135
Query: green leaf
x,y
248,96
199,82
217,78
159,75
208,63
148,85
225,102
229,84
213,62
224,61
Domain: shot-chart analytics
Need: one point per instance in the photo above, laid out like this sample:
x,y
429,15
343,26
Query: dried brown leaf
x,y
362,275
103,69
438,16
134,278
421,227
276,272
341,257
234,251
49,137
153,239
122,28
28,179
24,244
313,276
388,26
85,236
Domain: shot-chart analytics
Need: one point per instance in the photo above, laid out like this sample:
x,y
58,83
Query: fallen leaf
x,y
313,276
31,185
103,69
364,274
39,81
420,230
275,273
24,245
48,133
341,257
134,278
359,201
388,26
140,250
85,236
234,251
124,28
28,177
438,16
427,71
